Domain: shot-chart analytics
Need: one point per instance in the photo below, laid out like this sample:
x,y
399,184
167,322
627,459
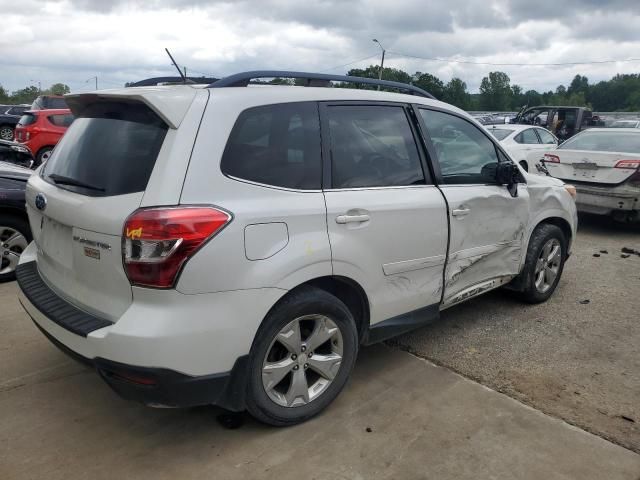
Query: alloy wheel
x,y
6,133
302,360
548,265
12,244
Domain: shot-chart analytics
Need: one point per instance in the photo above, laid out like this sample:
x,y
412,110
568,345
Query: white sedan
x,y
521,140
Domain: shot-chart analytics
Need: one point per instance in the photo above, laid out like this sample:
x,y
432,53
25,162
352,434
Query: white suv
x,y
235,244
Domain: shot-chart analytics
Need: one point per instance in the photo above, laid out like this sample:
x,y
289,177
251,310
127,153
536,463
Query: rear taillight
x,y
156,242
630,164
551,158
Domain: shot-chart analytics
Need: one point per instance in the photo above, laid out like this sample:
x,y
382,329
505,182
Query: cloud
x,y
71,40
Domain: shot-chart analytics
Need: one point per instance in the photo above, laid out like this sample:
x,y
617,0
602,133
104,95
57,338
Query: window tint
x,y
546,137
465,154
527,137
61,120
500,133
604,141
372,146
276,145
27,119
111,148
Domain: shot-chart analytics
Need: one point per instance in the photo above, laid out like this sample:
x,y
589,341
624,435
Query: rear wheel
x,y
43,155
544,263
301,358
15,235
6,132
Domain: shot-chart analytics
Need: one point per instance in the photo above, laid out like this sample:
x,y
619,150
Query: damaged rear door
x,y
487,224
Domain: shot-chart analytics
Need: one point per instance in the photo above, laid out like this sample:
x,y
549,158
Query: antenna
x,y
184,78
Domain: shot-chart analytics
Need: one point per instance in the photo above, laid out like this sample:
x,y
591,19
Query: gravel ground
x,y
577,361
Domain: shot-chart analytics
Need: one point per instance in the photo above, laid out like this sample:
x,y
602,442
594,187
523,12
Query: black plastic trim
x,y
52,306
243,79
402,323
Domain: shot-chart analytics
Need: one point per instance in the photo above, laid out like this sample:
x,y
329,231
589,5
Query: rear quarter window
x,y
276,145
111,149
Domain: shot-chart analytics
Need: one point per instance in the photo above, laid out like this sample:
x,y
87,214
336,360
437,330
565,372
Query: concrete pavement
x,y
59,421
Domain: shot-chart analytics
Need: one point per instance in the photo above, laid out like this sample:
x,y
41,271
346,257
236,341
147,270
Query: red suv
x,y
40,130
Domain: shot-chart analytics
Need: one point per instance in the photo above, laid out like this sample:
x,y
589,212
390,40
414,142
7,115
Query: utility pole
x,y
185,72
93,78
381,61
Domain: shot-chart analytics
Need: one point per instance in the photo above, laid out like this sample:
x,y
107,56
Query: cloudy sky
x,y
70,41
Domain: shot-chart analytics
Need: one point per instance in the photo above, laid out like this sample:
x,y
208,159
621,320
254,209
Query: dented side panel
x,y
488,228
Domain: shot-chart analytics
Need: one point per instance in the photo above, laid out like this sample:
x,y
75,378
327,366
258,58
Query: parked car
x,y
15,233
40,130
14,152
228,253
49,102
563,122
9,116
625,124
520,140
604,166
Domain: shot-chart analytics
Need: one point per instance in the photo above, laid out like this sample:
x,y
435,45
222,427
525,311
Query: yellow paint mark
x,y
308,249
134,233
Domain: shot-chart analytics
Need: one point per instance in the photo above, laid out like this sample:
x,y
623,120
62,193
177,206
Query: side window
x,y
546,137
465,154
527,136
372,146
62,120
276,145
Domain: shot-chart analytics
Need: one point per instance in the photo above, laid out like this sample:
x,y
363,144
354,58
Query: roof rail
x,y
313,79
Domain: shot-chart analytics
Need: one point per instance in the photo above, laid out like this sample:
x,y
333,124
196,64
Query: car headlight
x,y
572,190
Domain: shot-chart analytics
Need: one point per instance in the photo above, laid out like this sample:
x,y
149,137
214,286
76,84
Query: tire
x,y
545,236
6,132
315,311
43,154
11,246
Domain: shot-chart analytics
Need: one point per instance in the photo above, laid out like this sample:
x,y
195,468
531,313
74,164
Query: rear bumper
x,y
606,201
160,387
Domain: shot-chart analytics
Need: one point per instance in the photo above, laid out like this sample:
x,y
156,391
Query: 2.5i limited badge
x,y
88,244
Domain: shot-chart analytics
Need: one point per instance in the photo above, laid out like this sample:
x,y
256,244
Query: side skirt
x,y
401,324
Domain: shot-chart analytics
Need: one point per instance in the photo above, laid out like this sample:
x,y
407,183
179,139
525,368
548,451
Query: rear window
x,y
500,133
276,145
44,103
27,119
612,141
110,149
61,120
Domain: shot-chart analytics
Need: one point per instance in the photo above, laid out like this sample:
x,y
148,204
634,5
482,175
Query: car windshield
x,y
500,133
604,142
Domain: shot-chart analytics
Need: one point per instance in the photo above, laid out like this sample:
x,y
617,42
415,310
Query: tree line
x,y
28,94
496,93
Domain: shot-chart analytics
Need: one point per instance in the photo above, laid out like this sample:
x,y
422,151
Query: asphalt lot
x,y
399,417
578,362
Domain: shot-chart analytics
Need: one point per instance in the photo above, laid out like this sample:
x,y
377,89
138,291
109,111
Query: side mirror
x,y
507,173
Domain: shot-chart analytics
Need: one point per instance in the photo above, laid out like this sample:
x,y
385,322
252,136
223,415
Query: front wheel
x,y
301,358
544,263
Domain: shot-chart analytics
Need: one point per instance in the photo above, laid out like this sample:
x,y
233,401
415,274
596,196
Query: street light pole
x,y
93,78
381,61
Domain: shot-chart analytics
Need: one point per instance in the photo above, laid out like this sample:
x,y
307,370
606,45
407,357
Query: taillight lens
x,y
551,158
156,242
630,164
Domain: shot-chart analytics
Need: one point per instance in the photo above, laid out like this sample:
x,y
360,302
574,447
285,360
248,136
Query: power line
x,y
470,62
350,63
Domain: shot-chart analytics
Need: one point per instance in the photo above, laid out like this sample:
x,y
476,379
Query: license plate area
x,y
585,166
54,242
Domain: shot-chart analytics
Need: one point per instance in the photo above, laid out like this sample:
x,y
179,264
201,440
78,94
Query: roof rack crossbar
x,y
243,79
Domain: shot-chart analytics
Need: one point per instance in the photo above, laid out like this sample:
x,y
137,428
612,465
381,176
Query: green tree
x,y
430,83
26,95
579,84
495,92
455,93
58,89
517,97
392,74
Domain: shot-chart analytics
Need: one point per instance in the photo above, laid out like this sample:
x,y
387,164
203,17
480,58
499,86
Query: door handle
x,y
460,212
342,219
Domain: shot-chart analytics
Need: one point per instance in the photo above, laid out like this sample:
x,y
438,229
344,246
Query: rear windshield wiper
x,y
62,180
